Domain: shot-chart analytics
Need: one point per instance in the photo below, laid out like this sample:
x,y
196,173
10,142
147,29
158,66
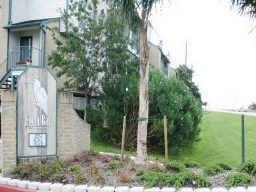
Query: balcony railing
x,y
24,56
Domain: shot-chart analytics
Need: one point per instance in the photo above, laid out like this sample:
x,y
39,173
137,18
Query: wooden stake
x,y
123,138
165,139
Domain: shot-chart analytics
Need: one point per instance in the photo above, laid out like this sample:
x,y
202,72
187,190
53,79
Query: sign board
x,y
36,118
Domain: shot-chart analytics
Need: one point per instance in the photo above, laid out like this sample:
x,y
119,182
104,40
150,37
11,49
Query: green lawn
x,y
220,141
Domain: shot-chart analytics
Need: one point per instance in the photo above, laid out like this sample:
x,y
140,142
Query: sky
x,y
221,48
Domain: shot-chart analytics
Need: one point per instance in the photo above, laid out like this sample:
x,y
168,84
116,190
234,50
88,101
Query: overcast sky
x,y
221,48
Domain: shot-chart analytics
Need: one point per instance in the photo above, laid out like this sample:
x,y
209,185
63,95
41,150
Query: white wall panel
x,y
26,10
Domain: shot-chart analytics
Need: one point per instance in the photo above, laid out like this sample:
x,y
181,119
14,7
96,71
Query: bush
x,y
178,180
175,166
114,164
249,167
78,173
225,166
170,97
213,170
191,164
25,170
238,179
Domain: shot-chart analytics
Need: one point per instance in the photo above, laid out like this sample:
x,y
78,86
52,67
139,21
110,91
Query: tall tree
x,y
246,6
80,56
185,74
137,13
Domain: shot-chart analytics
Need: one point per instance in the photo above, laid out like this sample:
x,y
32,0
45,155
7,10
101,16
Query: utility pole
x,y
186,53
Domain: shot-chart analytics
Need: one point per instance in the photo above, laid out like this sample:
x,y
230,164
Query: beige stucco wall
x,y
73,132
8,128
154,57
51,46
4,4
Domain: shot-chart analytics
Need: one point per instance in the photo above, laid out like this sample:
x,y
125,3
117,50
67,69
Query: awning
x,y
24,24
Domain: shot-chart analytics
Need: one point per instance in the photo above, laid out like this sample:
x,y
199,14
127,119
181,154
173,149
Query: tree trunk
x,y
143,96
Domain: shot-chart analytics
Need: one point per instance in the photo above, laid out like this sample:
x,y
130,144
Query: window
x,y
26,49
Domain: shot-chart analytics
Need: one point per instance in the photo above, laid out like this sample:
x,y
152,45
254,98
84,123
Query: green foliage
x,y
238,179
78,173
172,98
25,170
169,97
47,169
249,167
79,54
178,180
155,167
218,168
175,166
191,164
114,164
225,166
213,170
186,75
252,106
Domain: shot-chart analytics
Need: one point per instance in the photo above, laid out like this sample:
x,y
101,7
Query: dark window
x,y
25,48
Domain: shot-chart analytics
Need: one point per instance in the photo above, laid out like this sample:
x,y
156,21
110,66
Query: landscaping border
x,y
15,185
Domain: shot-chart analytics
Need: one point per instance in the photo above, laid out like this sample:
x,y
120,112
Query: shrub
x,y
114,164
213,170
224,166
74,168
191,164
249,167
238,179
155,167
175,166
170,97
25,170
45,170
78,173
178,180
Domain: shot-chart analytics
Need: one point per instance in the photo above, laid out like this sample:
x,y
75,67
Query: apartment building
x,y
36,119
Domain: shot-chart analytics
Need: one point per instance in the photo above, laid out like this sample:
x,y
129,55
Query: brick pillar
x,y
73,132
8,128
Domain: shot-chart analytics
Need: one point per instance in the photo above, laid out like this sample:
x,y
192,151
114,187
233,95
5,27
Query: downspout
x,y
10,12
42,45
8,34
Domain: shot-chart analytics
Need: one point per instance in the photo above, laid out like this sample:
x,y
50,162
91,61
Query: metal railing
x,y
24,56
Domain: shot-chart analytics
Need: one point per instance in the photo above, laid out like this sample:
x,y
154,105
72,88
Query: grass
x,y
220,141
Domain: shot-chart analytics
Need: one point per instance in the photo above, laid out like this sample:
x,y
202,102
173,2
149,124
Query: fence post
x,y
165,139
243,138
123,138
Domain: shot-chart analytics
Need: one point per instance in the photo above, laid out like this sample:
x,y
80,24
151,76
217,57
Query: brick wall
x,y
8,126
73,132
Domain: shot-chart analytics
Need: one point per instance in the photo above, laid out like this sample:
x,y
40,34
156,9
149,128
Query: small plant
x,y
24,170
178,180
78,173
74,168
249,167
45,170
175,166
191,164
57,165
155,168
213,170
225,166
238,179
114,164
